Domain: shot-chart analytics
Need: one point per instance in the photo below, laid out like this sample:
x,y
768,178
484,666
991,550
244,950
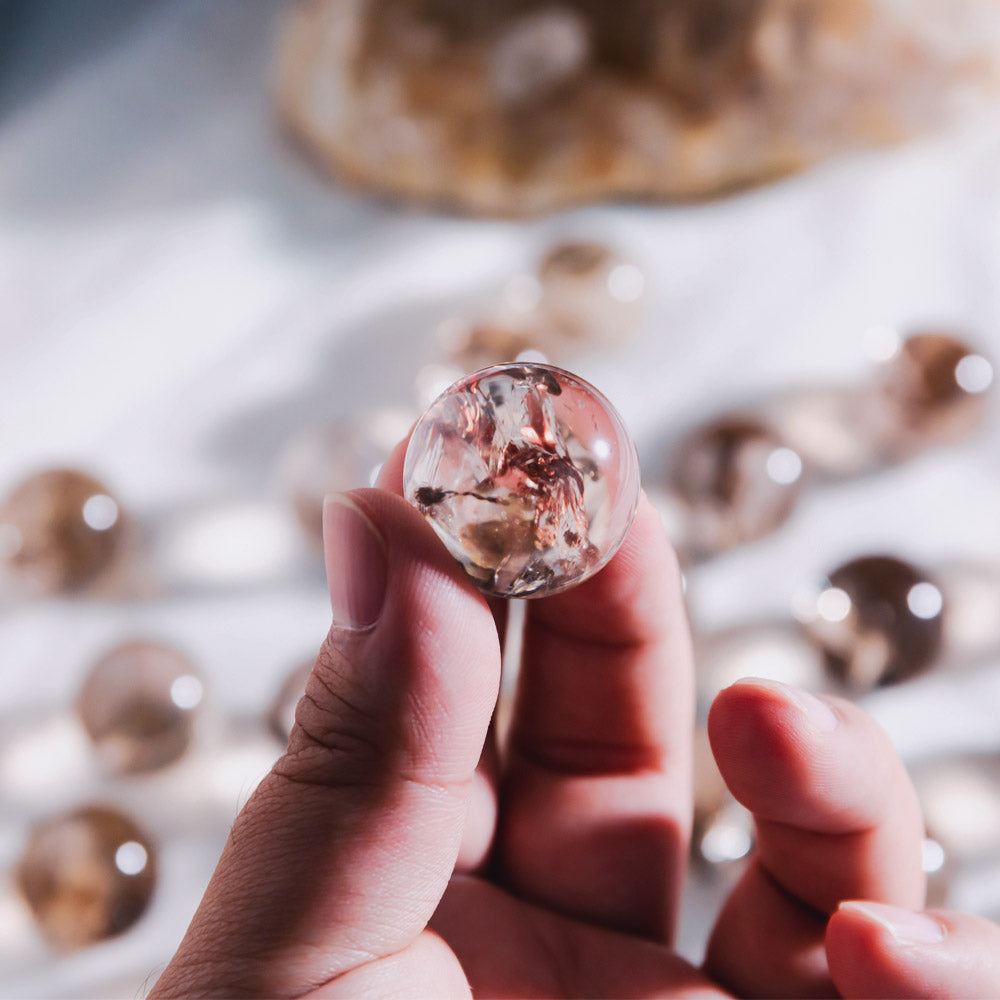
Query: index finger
x,y
836,816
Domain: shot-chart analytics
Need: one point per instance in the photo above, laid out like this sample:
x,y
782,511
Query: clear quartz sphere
x,y
87,875
527,474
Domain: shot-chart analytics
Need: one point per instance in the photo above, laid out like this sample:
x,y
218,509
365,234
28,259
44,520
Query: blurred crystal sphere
x,y
878,620
738,480
86,875
59,530
138,703
589,292
932,390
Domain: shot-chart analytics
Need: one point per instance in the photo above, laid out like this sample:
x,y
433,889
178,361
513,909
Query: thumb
x,y
875,950
343,852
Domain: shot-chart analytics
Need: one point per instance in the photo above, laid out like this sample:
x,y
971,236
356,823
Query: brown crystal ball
x,y
86,875
138,704
935,391
739,480
878,621
59,529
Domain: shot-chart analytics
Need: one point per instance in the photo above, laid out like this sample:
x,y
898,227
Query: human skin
x,y
394,851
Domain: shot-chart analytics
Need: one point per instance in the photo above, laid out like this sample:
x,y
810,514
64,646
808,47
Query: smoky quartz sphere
x,y
87,875
527,475
138,704
60,529
879,621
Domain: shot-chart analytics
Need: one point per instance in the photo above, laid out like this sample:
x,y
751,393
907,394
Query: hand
x,y
391,852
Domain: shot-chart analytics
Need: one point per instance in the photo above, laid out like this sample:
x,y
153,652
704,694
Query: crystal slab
x,y
528,476
520,107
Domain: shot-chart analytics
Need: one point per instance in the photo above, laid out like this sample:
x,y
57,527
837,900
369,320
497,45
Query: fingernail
x,y
355,563
904,925
821,717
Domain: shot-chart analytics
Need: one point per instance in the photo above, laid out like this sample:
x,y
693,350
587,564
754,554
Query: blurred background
x,y
243,244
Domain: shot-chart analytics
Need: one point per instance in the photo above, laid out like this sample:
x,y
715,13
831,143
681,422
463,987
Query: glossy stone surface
x,y
527,474
86,875
933,391
878,620
59,530
138,704
739,480
590,294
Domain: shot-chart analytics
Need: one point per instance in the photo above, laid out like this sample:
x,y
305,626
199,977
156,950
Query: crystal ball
x,y
59,530
739,480
527,475
86,875
138,703
932,391
879,620
589,292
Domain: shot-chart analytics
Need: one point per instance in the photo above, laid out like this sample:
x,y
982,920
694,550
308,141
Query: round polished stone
x,y
590,293
86,875
739,480
933,390
878,620
59,530
528,476
138,703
